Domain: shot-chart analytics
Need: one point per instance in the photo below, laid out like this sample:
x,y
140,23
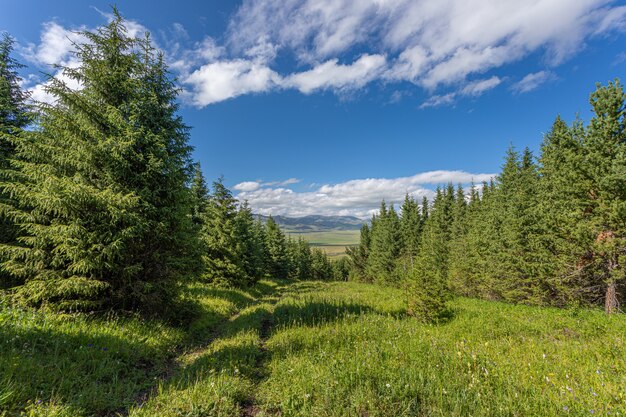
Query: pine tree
x,y
104,178
14,116
224,264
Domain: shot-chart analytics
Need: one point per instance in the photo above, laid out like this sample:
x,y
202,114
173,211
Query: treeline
x,y
237,249
101,205
549,230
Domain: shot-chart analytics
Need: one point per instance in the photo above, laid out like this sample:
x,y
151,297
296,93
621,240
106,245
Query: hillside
x,y
275,350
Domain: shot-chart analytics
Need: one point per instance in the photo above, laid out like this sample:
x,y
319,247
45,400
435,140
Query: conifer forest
x,y
131,285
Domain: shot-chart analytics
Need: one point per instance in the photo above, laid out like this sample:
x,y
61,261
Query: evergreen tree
x,y
278,260
224,264
250,246
606,166
14,116
385,247
428,286
321,268
104,178
300,259
199,195
358,256
411,228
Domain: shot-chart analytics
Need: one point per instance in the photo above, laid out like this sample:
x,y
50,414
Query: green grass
x,y
316,349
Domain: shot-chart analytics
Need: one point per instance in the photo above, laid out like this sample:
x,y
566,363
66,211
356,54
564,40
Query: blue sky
x,y
329,106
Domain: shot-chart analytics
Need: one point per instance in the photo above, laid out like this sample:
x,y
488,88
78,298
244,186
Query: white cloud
x,y
436,101
222,80
247,186
432,44
284,183
55,46
473,88
477,88
338,77
358,198
532,81
343,45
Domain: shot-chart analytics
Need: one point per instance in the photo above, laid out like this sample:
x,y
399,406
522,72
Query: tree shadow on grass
x,y
96,373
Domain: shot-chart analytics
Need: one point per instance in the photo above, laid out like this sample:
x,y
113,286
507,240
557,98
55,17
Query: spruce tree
x,y
358,256
100,187
321,268
411,228
199,196
224,264
14,116
276,244
385,247
428,287
605,163
250,245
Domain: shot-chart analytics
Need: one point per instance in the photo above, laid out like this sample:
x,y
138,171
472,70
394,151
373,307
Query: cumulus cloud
x,y
532,81
222,80
449,48
359,198
431,44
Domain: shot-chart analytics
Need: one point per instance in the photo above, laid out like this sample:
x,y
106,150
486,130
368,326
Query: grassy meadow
x,y
333,242
315,349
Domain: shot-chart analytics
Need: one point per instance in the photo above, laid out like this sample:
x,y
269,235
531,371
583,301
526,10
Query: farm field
x,y
333,242
315,349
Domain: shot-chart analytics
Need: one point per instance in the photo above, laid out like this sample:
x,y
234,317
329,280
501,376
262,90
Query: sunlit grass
x,y
316,349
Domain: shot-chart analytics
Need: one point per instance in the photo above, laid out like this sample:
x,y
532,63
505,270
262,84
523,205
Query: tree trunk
x,y
611,304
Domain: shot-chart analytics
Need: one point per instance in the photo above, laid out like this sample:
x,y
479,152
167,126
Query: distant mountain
x,y
317,223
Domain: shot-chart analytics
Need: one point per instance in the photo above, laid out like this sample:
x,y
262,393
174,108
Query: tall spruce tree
x,y
411,228
100,187
14,116
428,287
385,247
606,165
276,244
224,263
358,256
250,245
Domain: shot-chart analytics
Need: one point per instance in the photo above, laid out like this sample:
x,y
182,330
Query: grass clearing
x,y
312,348
333,242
